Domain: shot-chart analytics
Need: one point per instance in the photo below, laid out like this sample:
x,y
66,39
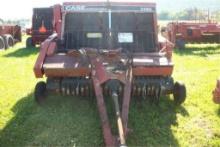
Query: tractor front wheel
x,y
40,92
179,93
29,42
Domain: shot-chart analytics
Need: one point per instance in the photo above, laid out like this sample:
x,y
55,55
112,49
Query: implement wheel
x,y
9,41
179,93
40,92
29,42
2,43
180,44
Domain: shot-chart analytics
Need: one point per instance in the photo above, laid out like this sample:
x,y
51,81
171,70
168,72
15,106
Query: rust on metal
x,y
9,35
94,52
153,71
216,93
38,67
193,32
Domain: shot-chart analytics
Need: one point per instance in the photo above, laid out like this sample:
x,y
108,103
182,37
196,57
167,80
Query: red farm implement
x,y
107,50
216,93
9,35
187,32
42,26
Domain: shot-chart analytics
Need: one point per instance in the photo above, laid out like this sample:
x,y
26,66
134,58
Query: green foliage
x,y
189,14
72,121
164,15
1,21
217,15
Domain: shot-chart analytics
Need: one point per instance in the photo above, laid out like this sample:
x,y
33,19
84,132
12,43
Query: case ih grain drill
x,y
107,50
9,35
42,26
187,32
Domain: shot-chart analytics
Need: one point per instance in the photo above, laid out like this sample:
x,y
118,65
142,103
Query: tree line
x,y
190,14
187,14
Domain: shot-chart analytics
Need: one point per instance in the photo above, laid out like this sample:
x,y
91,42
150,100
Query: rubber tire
x,y
180,44
9,41
40,92
2,43
29,42
179,93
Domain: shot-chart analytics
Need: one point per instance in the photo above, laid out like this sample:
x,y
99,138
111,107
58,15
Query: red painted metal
x,y
13,30
38,67
57,19
153,71
51,49
216,93
193,32
99,76
108,137
92,63
38,39
148,4
41,34
166,47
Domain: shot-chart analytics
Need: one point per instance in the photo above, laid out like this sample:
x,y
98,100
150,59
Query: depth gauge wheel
x,y
40,92
179,93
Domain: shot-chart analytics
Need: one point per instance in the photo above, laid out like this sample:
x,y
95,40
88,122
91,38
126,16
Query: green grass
x,y
72,121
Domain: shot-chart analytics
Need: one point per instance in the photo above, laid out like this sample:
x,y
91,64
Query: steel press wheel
x,y
40,92
179,93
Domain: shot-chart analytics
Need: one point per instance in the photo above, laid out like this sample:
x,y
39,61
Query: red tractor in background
x,y
181,33
9,35
42,26
107,50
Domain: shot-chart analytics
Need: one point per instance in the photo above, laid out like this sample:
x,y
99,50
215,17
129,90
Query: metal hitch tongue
x,y
119,120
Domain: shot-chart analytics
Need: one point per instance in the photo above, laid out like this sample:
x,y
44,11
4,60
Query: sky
x,y
17,9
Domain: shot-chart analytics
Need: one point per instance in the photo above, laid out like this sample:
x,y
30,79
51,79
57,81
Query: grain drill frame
x,y
107,49
181,33
9,35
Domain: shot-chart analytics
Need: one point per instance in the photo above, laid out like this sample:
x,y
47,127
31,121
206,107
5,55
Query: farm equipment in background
x,y
42,26
216,93
107,50
181,33
9,35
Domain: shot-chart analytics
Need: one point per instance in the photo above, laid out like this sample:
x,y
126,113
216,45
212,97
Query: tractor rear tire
x,y
9,41
40,92
2,43
29,42
179,93
180,44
